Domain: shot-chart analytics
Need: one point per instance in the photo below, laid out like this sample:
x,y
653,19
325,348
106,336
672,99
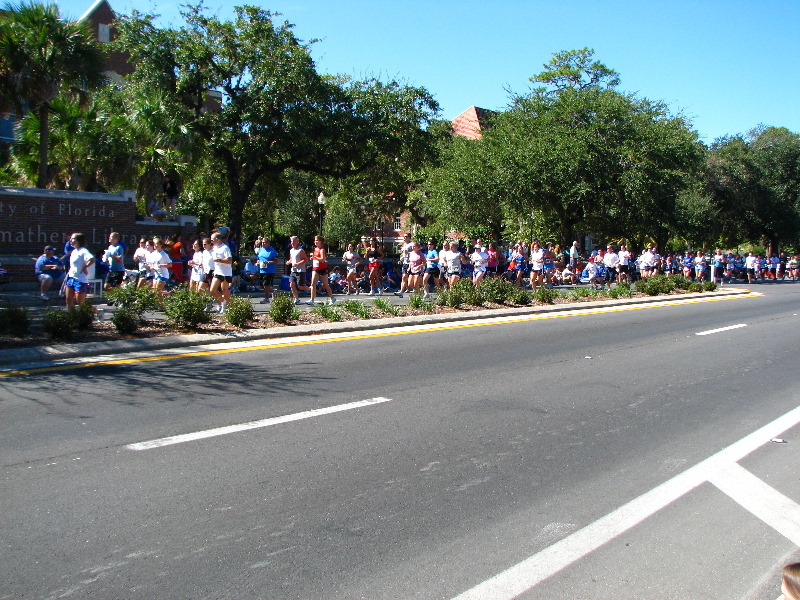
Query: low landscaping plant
x,y
125,320
327,312
356,308
709,286
140,300
680,282
239,311
58,324
696,287
282,309
384,305
14,320
519,297
497,290
187,308
545,295
418,302
83,315
655,285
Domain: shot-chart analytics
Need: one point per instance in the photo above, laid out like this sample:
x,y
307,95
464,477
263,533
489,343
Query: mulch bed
x,y
104,331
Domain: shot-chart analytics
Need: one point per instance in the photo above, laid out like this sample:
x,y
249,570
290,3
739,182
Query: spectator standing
x,y
170,197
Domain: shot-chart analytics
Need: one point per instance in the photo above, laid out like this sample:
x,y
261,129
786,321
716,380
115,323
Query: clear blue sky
x,y
726,64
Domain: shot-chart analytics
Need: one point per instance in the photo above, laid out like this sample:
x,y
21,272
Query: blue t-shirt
x,y
115,266
268,254
54,273
431,258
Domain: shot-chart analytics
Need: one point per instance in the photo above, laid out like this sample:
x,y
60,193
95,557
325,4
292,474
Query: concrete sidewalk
x,y
39,354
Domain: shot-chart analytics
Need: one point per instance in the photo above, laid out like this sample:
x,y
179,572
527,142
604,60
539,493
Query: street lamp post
x,y
321,201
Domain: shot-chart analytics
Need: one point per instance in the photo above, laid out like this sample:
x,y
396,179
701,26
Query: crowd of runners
x,y
212,264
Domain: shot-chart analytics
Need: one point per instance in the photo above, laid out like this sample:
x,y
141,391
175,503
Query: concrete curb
x,y
66,351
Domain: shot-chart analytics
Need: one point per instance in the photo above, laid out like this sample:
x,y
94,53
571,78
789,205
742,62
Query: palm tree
x,y
40,56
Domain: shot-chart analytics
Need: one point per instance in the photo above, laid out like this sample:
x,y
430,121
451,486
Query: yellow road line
x,y
404,331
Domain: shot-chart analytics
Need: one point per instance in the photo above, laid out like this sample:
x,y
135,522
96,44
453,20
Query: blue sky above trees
x,y
727,64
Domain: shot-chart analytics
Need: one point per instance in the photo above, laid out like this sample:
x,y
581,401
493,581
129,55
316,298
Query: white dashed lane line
x,y
721,329
199,435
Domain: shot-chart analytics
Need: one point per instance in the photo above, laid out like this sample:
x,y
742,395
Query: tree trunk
x,y
44,141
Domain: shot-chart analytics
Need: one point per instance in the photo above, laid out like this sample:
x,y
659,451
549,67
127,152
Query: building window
x,y
103,33
397,224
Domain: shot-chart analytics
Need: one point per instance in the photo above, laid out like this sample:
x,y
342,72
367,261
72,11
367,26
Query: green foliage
x,y
187,308
328,312
622,290
497,290
282,309
239,311
58,324
15,320
384,305
709,286
139,300
544,295
126,320
83,315
679,282
696,287
418,302
519,297
470,294
656,285
356,308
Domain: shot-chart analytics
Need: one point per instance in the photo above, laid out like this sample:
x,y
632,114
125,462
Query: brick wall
x,y
31,219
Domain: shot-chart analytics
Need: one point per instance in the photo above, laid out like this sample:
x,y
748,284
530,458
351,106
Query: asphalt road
x,y
492,447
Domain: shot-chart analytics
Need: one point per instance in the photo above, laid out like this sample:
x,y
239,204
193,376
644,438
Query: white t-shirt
x,y
537,259
140,256
351,260
611,259
218,252
208,262
159,261
453,261
624,257
77,262
198,272
479,261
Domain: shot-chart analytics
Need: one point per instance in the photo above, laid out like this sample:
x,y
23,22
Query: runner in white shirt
x,y
453,260
479,259
197,277
223,271
611,262
537,265
624,267
159,261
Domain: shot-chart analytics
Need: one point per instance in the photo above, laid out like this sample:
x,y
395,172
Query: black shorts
x,y
623,268
610,274
404,268
227,278
321,272
115,278
209,277
266,279
297,277
433,271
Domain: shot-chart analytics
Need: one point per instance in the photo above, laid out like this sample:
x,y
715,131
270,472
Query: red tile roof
x,y
472,122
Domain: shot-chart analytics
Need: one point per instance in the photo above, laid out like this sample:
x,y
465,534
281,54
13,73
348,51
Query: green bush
x,y
384,305
328,312
356,308
282,309
544,295
83,315
709,286
471,295
497,290
656,285
622,290
680,282
58,324
519,297
126,320
239,311
14,319
696,287
418,302
140,300
187,308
